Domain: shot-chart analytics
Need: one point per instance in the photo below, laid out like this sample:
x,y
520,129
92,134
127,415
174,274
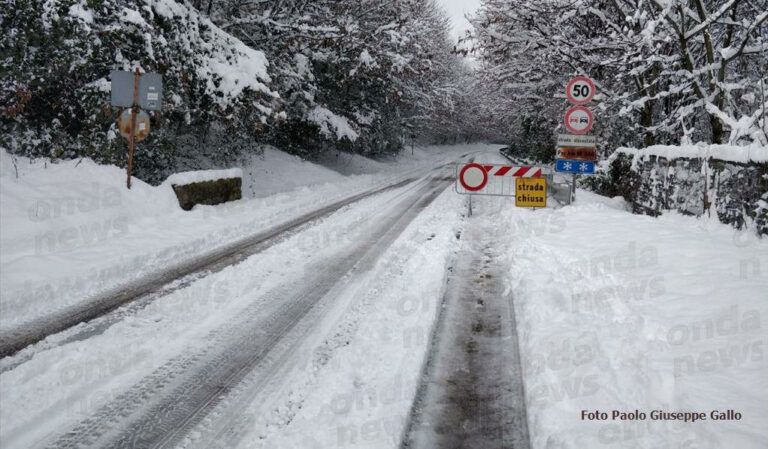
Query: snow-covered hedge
x,y
699,179
55,61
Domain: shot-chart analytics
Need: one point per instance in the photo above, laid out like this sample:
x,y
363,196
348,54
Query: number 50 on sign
x,y
580,90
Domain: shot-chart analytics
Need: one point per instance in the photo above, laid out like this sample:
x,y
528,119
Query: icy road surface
x,y
397,321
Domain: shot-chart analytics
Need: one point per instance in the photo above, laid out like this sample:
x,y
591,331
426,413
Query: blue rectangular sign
x,y
571,166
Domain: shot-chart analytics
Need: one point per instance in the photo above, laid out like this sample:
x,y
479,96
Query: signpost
x,y
126,127
531,192
576,152
135,91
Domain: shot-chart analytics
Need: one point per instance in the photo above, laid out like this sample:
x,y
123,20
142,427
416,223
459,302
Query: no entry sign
x,y
580,90
579,120
473,177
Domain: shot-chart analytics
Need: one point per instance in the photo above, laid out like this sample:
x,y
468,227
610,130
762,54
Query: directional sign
x,y
579,120
473,177
571,140
580,90
149,95
577,153
151,91
577,167
531,192
122,89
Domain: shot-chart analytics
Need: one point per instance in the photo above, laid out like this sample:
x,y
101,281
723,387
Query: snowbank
x,y
626,312
71,229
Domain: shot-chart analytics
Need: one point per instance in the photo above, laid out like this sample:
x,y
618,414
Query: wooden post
x,y
132,137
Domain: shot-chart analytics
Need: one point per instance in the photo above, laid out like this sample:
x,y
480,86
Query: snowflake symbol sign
x,y
567,165
583,167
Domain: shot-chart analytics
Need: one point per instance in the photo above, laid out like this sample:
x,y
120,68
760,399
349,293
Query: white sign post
x,y
578,121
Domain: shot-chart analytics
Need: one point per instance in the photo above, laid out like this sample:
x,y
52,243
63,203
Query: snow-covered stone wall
x,y
731,182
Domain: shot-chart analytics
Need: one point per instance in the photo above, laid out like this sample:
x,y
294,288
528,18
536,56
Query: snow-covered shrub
x,y
56,57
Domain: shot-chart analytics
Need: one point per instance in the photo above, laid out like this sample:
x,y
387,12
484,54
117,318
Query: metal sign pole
x,y
470,205
573,188
132,137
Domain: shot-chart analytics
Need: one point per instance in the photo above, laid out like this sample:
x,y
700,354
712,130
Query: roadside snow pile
x,y
53,207
626,312
274,171
71,229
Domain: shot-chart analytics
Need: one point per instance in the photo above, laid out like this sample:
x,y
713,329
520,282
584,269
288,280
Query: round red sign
x,y
579,120
473,177
580,90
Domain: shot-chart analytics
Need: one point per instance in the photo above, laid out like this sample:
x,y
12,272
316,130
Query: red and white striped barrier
x,y
491,179
524,171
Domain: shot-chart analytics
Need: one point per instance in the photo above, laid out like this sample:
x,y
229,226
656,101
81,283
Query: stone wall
x,y
693,184
208,192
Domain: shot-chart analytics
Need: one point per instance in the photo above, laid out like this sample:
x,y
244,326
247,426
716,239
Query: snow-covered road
x,y
256,313
319,337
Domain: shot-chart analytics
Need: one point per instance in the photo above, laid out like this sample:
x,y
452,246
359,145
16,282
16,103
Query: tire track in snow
x,y
161,409
471,394
148,288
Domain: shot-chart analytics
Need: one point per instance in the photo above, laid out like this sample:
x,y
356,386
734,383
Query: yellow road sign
x,y
531,192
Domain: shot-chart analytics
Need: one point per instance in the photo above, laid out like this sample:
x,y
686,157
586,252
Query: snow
x,y
134,17
367,60
615,311
731,153
624,312
79,11
228,65
203,176
83,375
77,210
332,125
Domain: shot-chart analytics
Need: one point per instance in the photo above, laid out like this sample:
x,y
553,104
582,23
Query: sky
x,y
456,9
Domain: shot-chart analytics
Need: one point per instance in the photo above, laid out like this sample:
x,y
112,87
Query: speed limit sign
x,y
580,90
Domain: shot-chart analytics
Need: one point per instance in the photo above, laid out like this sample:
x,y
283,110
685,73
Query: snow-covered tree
x,y
54,83
667,70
